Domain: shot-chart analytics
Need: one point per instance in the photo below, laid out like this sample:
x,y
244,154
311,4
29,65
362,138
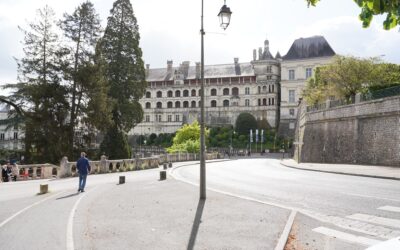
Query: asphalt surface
x,y
355,206
247,207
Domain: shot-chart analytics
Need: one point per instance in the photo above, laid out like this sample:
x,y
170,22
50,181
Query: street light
x,y
225,17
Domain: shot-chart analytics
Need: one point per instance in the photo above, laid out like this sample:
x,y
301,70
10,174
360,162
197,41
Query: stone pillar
x,y
34,169
65,171
103,164
358,98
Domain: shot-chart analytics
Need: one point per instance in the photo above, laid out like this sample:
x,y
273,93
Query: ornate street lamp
x,y
225,17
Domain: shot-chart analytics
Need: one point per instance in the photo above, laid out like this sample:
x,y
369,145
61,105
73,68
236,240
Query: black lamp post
x,y
225,17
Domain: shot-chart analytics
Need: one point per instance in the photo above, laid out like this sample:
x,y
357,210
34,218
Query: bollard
x,y
44,188
165,166
170,165
121,179
163,175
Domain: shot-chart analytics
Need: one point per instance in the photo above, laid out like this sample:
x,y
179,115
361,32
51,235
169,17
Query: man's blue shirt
x,y
83,165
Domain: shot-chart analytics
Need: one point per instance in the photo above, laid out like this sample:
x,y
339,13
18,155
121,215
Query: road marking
x,y
390,208
375,219
70,224
26,208
286,231
346,236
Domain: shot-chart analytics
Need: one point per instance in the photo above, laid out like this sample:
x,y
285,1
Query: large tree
x,y
370,8
40,92
244,123
84,71
125,68
346,76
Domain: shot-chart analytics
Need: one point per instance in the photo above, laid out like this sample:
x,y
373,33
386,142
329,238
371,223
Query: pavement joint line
x,y
346,236
28,207
70,224
286,231
342,173
305,212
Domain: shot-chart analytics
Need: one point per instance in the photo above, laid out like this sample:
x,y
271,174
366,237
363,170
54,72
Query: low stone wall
x,y
36,171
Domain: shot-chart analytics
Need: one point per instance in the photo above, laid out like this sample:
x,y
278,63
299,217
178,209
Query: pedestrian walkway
x,y
347,169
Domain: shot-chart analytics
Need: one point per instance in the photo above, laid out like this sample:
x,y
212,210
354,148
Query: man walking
x,y
83,167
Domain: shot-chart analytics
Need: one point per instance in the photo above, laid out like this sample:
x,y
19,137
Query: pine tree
x,y
40,92
84,71
125,68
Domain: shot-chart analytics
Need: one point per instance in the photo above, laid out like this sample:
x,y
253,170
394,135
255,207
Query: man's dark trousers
x,y
82,181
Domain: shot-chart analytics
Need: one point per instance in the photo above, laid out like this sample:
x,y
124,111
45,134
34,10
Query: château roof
x,y
309,47
210,71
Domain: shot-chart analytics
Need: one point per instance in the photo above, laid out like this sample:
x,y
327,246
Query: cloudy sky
x,y
170,29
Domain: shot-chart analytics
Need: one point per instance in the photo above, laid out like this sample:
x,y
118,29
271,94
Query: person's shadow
x,y
68,196
196,224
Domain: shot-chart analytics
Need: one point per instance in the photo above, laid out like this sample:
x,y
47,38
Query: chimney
x,y
198,70
266,45
147,69
260,53
236,60
254,54
169,66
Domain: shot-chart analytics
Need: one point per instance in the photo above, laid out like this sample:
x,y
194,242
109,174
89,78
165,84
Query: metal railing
x,y
381,93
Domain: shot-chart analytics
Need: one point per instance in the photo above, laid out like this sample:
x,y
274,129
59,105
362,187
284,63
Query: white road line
x,y
376,220
390,208
26,208
346,236
70,224
286,231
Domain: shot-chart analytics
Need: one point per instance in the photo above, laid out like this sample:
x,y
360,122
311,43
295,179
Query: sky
x,y
169,29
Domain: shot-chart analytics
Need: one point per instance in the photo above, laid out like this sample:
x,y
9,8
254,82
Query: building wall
x,y
287,119
362,133
11,138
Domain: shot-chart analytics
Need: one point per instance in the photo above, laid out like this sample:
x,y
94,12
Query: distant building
x,y
260,87
173,94
297,66
11,138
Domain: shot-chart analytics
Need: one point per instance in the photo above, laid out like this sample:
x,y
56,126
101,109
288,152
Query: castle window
x,y
148,105
235,91
147,118
247,91
148,94
247,102
169,94
226,103
186,93
213,103
186,104
159,94
177,104
308,73
169,105
291,112
193,105
269,69
291,74
291,96
169,117
177,93
225,91
259,89
213,92
193,92
159,105
264,102
177,118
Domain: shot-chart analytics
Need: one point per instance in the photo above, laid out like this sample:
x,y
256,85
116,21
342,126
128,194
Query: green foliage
x,y
347,76
370,8
125,68
187,139
115,144
244,123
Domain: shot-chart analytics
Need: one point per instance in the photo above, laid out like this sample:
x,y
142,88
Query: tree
x,y
84,70
370,8
111,149
187,139
244,123
346,76
40,92
125,68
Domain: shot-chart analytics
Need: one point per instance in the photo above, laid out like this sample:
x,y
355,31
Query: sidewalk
x,y
392,173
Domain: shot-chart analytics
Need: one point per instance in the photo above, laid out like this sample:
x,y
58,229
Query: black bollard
x,y
121,179
165,166
170,164
163,175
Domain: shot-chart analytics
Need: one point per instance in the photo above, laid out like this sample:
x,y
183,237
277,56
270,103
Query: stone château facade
x,y
173,94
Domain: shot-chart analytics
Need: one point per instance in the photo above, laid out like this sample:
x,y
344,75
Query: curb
x,y
342,173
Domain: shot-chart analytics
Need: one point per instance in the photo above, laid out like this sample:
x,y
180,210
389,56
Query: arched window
x,y
226,103
273,88
148,105
199,92
159,94
193,92
169,105
177,93
264,102
235,91
247,91
213,92
193,105
269,88
273,101
225,91
177,104
259,89
186,104
169,94
186,93
247,102
269,101
148,94
159,105
213,103
259,102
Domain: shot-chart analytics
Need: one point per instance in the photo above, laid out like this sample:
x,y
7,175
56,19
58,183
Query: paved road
x,y
358,210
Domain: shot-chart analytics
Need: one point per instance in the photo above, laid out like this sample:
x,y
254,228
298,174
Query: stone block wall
x,y
362,133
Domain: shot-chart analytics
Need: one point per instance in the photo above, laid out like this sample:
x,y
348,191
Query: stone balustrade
x,y
37,171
